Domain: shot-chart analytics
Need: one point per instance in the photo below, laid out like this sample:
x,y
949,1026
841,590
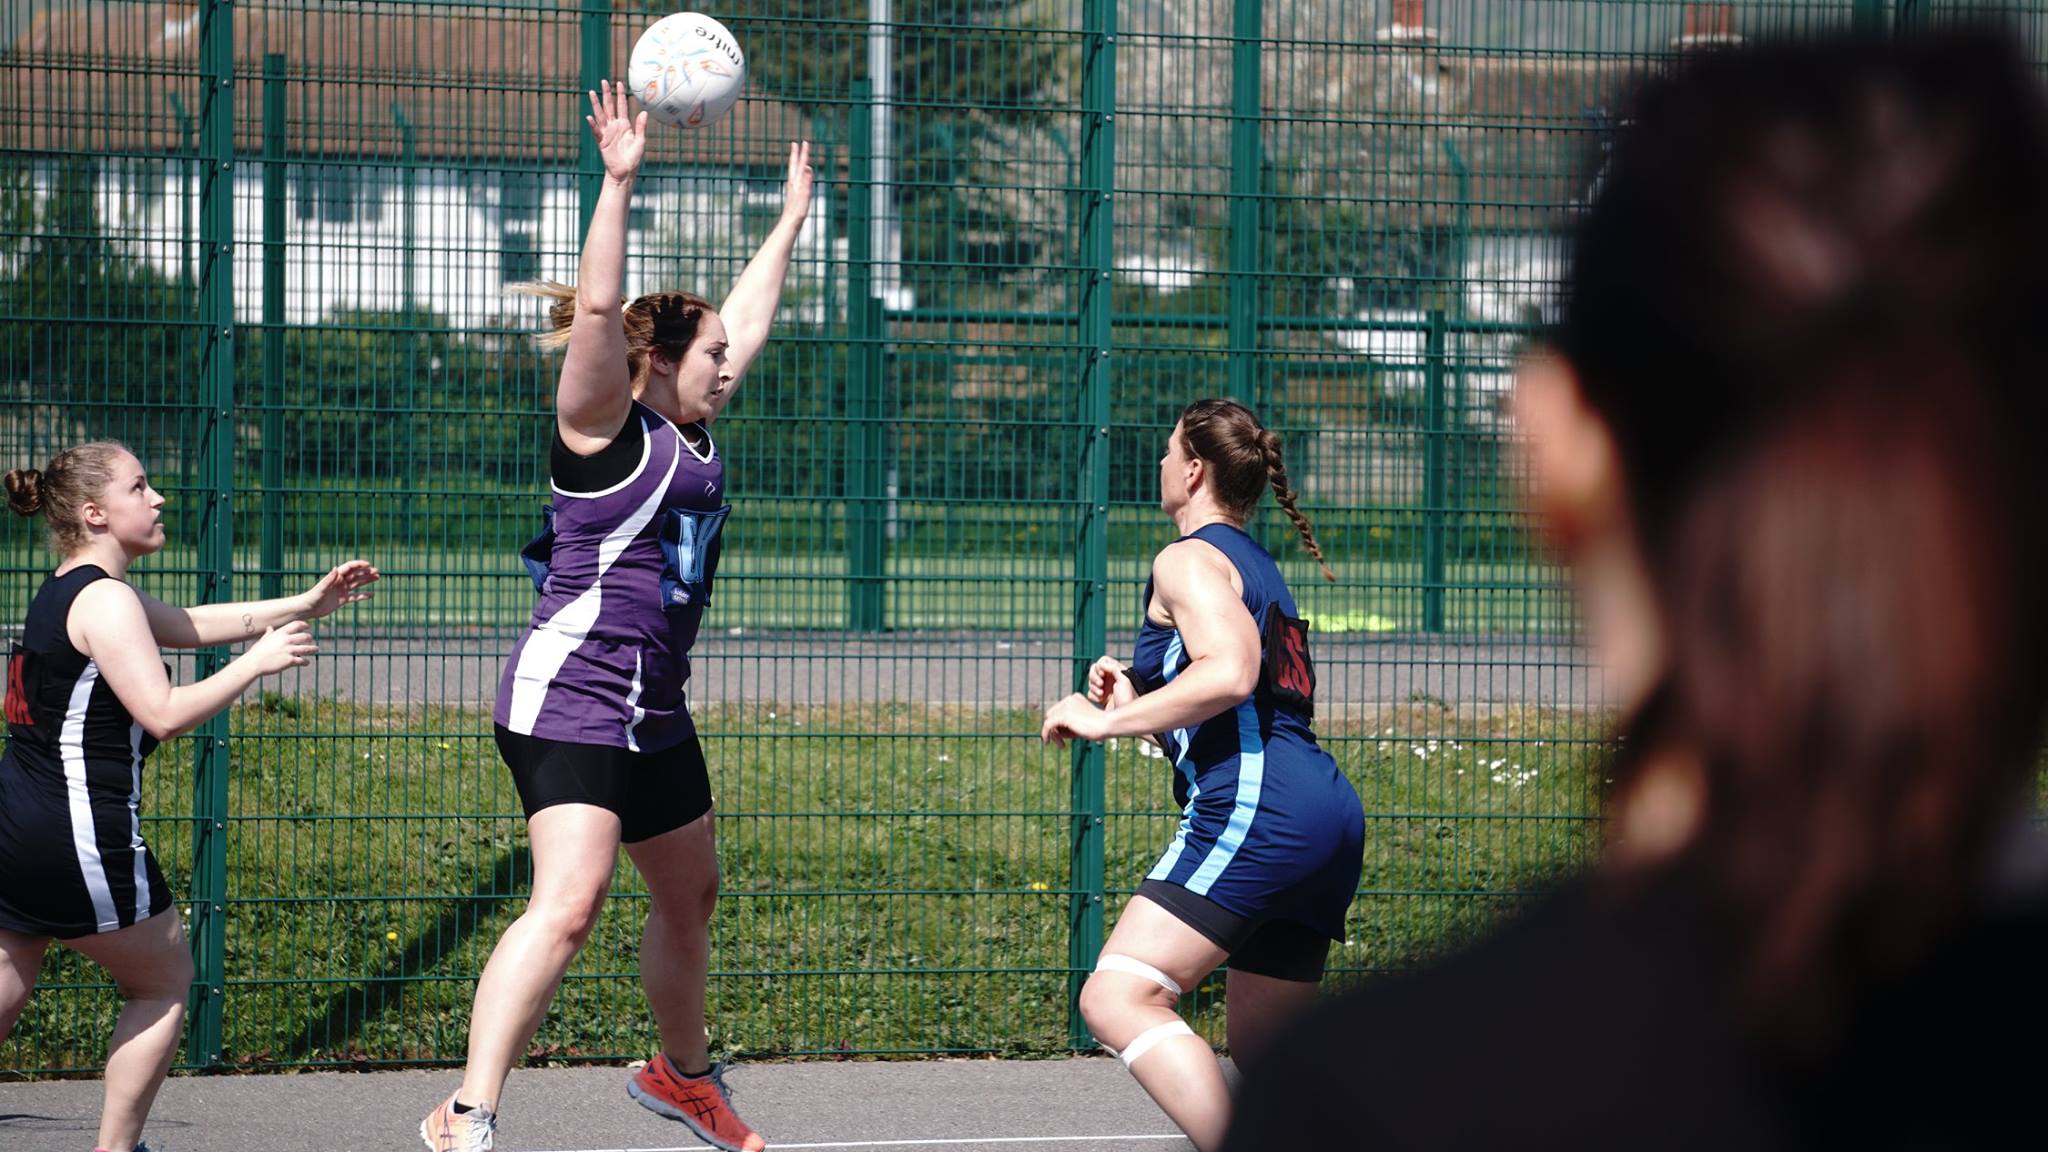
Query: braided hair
x,y
1244,457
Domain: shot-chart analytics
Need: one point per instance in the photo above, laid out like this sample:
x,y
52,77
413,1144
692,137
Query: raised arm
x,y
1191,580
108,624
749,309
205,624
596,388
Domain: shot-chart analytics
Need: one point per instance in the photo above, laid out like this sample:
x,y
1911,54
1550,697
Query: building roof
x,y
1421,136
496,84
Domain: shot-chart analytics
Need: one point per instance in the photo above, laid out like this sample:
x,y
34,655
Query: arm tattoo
x,y
248,624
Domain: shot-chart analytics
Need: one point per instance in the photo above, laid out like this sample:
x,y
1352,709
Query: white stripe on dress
x,y
84,839
633,703
710,452
135,844
554,638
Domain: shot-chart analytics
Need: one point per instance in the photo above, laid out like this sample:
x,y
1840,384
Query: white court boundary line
x,y
902,1143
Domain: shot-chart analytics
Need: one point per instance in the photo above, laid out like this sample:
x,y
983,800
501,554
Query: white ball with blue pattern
x,y
687,70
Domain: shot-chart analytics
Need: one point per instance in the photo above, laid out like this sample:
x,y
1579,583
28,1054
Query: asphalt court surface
x,y
1082,1104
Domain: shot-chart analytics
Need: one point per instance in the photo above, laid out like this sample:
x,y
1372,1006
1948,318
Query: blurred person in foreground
x,y
1790,439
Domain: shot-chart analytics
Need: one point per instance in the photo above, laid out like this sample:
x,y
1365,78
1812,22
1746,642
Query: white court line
x,y
902,1143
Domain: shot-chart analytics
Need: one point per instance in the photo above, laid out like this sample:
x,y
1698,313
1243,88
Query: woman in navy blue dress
x,y
1270,844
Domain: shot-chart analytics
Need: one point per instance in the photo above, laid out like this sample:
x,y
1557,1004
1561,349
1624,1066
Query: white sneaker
x,y
446,1130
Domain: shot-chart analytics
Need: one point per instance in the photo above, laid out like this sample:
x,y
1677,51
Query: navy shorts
x,y
1281,949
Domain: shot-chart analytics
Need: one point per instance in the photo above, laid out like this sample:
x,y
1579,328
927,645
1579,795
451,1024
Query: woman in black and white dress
x,y
88,698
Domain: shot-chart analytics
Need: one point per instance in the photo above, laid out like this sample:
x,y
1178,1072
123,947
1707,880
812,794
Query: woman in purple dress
x,y
591,716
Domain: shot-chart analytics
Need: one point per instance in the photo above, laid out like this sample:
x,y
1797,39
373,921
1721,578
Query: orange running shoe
x,y
702,1102
446,1130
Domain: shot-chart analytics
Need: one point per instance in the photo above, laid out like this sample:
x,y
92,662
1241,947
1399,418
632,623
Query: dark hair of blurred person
x,y
1791,442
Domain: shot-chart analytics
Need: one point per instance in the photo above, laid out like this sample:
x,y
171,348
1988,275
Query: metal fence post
x,y
1433,485
1246,196
864,323
188,200
271,518
408,200
595,32
1098,258
215,473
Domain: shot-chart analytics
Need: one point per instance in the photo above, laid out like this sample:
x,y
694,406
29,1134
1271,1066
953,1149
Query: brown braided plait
x,y
1276,473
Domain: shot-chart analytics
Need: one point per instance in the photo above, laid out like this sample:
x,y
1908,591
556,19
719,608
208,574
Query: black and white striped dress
x,y
72,860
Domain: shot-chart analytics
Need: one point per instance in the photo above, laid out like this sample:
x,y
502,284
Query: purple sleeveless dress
x,y
624,576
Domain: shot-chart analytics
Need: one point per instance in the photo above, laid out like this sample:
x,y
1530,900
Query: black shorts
x,y
1281,949
651,792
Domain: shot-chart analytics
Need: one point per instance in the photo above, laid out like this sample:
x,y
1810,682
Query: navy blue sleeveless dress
x,y
1270,829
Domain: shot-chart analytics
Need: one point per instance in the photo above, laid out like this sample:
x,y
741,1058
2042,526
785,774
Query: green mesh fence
x,y
267,245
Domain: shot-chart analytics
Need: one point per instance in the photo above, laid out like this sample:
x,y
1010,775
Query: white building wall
x,y
692,233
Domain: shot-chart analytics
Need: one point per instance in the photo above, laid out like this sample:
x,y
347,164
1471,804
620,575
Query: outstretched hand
x,y
287,646
342,585
796,189
621,135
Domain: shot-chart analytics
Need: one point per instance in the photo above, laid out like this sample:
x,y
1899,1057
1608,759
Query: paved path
x,y
988,669
1074,1105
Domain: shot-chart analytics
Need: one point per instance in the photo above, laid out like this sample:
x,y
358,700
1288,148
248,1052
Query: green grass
x,y
896,877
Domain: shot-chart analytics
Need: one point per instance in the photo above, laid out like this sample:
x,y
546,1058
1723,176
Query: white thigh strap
x,y
1118,962
1145,1041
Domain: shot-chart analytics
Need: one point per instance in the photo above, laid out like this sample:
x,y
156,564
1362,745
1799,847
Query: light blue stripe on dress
x,y
1177,748
1251,775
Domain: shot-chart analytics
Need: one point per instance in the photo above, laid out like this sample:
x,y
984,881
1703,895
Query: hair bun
x,y
25,491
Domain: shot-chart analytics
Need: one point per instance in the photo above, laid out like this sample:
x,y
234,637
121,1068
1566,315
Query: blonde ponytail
x,y
561,312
